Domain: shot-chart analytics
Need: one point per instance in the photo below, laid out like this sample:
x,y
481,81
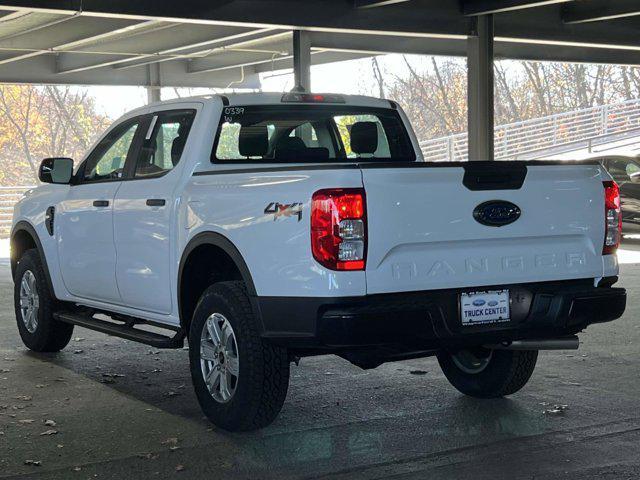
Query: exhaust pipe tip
x,y
563,343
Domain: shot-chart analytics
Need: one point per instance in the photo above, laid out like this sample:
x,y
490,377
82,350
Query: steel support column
x,y
154,83
302,60
153,94
480,89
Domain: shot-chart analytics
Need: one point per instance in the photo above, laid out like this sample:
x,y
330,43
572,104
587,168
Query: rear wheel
x,y
240,379
35,305
485,373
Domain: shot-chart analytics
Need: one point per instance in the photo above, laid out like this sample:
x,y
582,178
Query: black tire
x,y
505,372
48,335
263,380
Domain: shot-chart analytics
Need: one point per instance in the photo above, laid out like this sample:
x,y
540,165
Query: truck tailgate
x,y
423,234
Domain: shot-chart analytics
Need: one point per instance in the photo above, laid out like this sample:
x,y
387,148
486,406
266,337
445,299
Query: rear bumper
x,y
430,319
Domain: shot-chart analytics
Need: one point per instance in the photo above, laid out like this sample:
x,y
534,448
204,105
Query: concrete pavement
x,y
126,411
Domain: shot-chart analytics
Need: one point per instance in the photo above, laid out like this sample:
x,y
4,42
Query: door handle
x,y
156,202
101,203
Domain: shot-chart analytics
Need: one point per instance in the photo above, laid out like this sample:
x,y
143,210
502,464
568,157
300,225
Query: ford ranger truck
x,y
263,228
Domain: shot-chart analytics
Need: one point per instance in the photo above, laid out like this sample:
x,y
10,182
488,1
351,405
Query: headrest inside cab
x,y
364,137
253,141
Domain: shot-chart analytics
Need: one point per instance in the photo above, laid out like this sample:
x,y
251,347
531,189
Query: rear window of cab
x,y
310,133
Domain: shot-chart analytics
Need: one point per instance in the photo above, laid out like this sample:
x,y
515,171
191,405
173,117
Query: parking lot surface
x,y
108,408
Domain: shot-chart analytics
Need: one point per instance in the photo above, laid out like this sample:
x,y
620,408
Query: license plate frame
x,y
485,307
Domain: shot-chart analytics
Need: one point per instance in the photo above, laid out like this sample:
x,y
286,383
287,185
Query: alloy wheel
x,y
219,360
29,301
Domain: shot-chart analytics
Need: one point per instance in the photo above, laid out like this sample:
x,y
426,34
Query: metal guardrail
x,y
550,134
9,196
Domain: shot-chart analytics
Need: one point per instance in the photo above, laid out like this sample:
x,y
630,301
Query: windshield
x,y
311,133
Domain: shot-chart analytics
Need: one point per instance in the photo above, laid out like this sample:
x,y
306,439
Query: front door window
x,y
107,160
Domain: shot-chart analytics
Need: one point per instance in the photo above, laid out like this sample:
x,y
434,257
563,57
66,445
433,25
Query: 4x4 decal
x,y
279,210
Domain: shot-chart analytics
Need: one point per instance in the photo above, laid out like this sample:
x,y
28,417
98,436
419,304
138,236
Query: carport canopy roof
x,y
221,43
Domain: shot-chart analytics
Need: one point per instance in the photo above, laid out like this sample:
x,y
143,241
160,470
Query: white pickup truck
x,y
263,228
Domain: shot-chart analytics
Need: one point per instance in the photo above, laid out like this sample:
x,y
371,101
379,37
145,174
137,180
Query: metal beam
x,y
485,7
243,54
382,44
504,48
420,18
42,70
480,90
72,34
37,23
233,62
599,10
85,42
341,47
172,42
195,50
376,3
328,15
302,61
284,62
545,27
318,57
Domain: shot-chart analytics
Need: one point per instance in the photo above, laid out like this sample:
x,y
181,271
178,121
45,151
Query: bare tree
x,y
377,74
70,117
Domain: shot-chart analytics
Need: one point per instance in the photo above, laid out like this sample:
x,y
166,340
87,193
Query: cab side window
x,y
164,143
107,160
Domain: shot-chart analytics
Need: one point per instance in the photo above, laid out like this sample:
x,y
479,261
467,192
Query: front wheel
x,y
484,373
240,379
35,305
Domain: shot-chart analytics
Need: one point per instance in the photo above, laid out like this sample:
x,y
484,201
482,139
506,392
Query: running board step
x,y
122,331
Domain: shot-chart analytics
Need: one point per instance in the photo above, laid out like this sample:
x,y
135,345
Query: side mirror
x,y
56,170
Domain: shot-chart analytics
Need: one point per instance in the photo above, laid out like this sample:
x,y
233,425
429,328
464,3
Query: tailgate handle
x,y
156,202
493,176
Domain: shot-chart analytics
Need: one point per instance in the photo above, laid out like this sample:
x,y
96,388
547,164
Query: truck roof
x,y
273,98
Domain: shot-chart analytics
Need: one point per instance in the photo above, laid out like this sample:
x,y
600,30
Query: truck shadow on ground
x,y
337,418
327,394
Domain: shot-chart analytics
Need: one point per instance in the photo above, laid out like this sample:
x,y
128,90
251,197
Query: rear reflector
x,y
613,218
312,98
339,228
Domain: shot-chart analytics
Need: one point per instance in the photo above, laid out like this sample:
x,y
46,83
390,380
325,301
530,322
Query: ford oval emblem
x,y
496,213
478,302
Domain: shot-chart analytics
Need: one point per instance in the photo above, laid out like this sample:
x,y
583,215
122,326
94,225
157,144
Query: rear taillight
x,y
613,218
339,228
